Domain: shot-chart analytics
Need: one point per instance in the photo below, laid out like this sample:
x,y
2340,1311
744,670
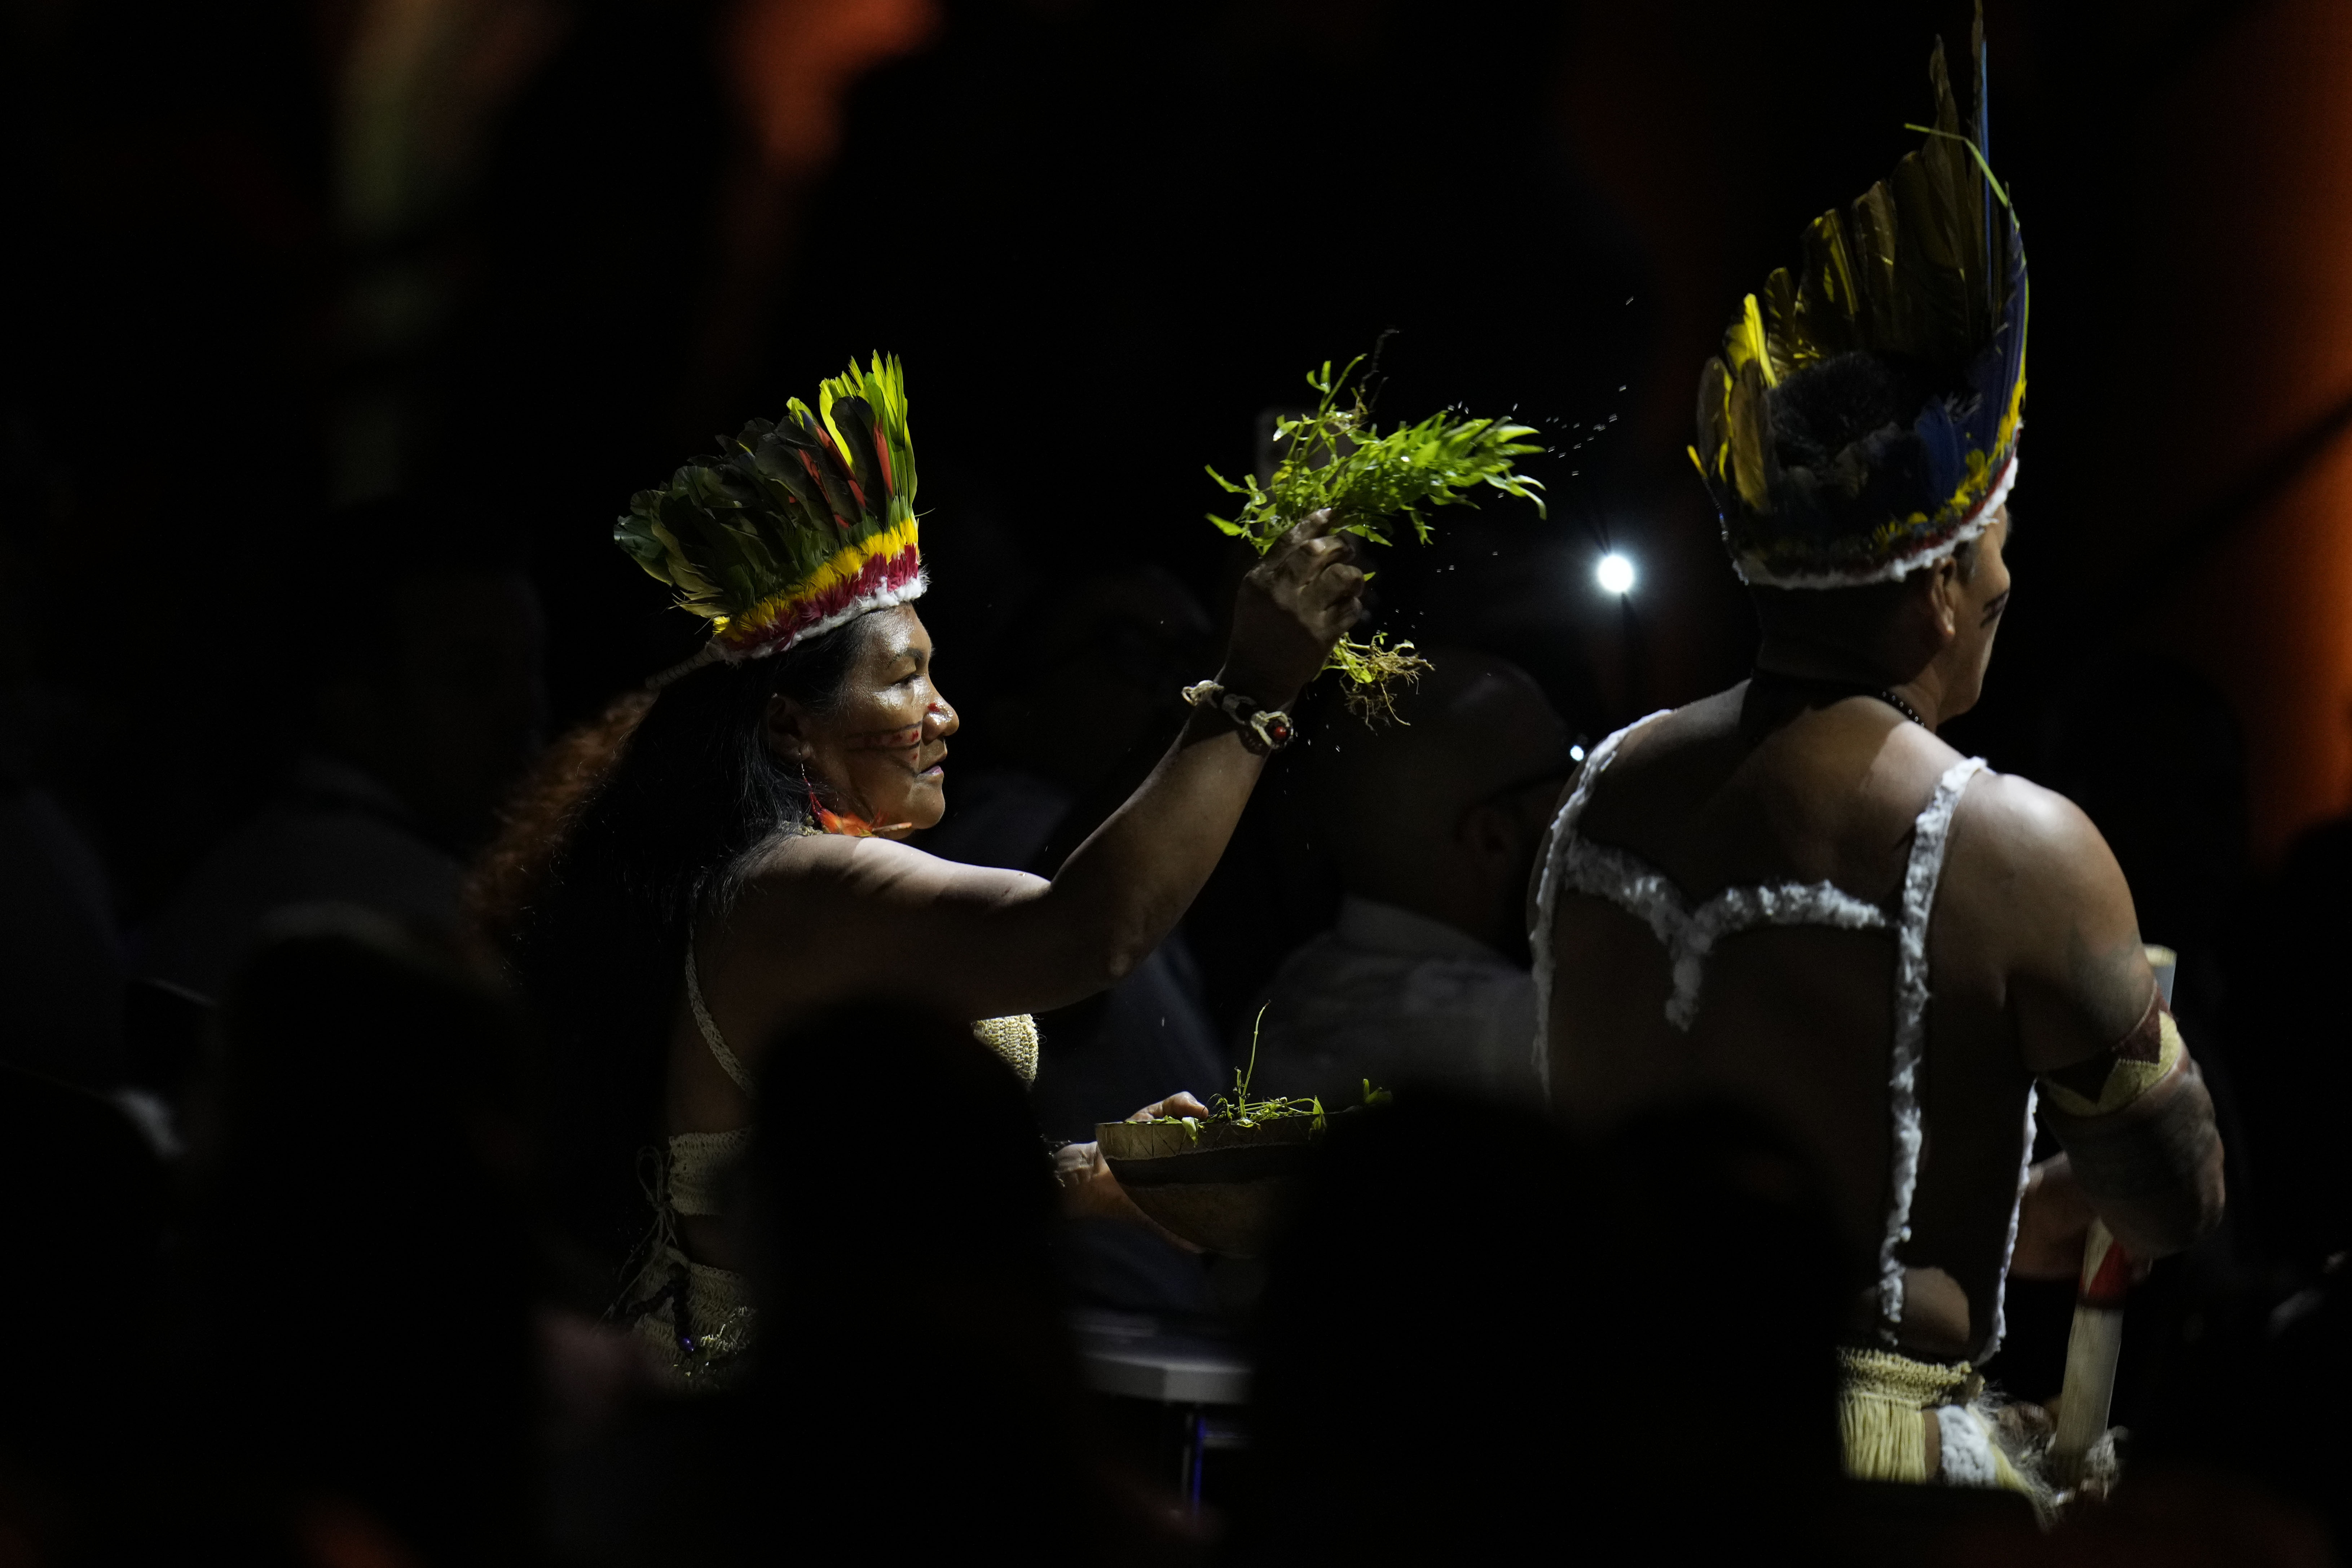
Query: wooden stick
x,y
2093,1350
2096,1344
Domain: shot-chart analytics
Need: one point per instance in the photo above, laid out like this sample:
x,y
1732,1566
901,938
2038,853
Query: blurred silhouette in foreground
x,y
60,964
425,700
61,967
916,1378
1117,647
2250,1428
362,1265
85,1205
1433,822
1478,1335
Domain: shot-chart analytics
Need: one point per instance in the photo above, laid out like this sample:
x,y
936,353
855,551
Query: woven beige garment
x,y
1882,1397
1016,1040
700,1321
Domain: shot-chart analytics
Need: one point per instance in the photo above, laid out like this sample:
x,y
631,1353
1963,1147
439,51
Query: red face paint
x,y
906,739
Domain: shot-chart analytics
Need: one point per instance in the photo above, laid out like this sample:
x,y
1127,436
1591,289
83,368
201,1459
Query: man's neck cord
x,y
1885,694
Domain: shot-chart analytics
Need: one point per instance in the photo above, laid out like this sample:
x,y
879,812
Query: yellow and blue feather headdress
x,y
1927,271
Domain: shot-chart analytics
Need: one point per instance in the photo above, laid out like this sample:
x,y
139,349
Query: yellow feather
x,y
1745,344
1715,417
1752,457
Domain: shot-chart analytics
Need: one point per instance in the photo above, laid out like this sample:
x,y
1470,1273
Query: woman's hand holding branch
x,y
1290,610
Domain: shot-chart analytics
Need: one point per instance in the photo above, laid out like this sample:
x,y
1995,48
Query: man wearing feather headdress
x,y
1795,895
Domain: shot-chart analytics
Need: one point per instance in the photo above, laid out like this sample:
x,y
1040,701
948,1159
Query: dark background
x,y
270,257
526,255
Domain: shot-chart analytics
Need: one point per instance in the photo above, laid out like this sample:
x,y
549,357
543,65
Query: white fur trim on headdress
x,y
715,652
872,602
1753,572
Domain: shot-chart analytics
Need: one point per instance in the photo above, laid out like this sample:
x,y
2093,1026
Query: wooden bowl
x,y
1223,1186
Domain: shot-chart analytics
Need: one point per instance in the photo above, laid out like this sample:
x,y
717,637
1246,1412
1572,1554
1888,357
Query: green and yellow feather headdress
x,y
1926,272
794,527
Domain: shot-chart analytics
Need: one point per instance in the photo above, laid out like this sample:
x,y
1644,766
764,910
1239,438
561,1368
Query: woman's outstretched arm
x,y
866,916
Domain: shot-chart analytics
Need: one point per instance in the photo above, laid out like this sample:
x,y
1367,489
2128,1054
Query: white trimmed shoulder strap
x,y
1557,839
2008,1243
710,1034
1930,834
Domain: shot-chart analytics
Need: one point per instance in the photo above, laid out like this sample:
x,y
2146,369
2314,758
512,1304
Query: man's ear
x,y
1940,600
786,730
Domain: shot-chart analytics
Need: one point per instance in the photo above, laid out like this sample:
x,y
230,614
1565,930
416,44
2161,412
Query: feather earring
x,y
843,824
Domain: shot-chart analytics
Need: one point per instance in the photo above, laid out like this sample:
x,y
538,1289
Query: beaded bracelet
x,y
1263,730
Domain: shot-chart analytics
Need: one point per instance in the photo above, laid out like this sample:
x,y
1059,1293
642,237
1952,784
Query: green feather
x,y
751,524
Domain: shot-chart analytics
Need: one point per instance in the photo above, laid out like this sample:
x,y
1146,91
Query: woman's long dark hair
x,y
627,838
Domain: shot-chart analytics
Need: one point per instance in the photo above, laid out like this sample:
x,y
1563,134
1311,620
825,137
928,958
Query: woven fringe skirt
x,y
1884,1402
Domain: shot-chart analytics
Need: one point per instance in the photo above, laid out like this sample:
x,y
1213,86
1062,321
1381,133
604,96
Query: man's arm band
x,y
2135,1159
2123,1072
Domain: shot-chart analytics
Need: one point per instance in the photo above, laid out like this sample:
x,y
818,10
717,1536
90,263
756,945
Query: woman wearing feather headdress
x,y
724,856
1795,895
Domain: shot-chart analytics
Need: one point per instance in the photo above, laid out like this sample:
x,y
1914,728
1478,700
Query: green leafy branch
x,y
1242,1111
1335,458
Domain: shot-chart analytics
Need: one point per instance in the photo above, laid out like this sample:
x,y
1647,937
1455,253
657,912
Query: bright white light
x,y
1614,574
1576,754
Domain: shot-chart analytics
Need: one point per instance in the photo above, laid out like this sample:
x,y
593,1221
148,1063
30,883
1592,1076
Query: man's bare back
x,y
1815,780
1892,947
1798,1020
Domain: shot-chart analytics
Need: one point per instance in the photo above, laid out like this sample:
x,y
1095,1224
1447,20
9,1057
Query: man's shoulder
x,y
1843,771
2029,861
1698,722
2013,820
1701,736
